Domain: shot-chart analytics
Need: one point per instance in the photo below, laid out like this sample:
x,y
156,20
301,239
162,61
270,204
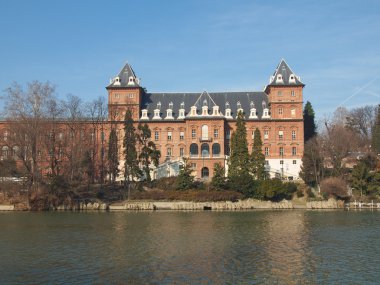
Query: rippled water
x,y
256,247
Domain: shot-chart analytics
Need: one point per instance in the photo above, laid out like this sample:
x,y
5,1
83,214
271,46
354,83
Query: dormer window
x,y
264,104
292,78
265,113
228,111
238,105
252,105
193,111
171,105
279,79
157,114
117,81
252,114
215,110
205,102
169,114
205,111
183,105
159,105
144,114
131,80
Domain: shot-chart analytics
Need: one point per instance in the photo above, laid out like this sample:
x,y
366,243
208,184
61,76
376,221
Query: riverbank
x,y
247,204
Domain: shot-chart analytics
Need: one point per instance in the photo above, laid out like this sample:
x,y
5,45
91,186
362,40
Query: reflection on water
x,y
265,247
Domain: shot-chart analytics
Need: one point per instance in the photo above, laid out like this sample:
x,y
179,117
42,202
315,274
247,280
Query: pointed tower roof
x,y
125,78
283,75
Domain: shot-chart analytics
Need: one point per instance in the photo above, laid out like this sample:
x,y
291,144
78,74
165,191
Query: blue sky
x,y
195,45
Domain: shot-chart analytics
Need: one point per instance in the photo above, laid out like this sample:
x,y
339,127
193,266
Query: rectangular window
x,y
117,96
193,165
281,162
293,112
266,151
228,134
169,151
253,135
280,135
294,161
216,133
169,136
193,133
156,136
131,96
281,151
266,134
293,93
181,135
280,111
294,150
293,135
279,93
181,152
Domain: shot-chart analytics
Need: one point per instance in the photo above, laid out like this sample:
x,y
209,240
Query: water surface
x,y
255,247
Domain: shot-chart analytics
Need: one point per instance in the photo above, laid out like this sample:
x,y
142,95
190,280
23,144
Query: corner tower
x,y
285,93
124,92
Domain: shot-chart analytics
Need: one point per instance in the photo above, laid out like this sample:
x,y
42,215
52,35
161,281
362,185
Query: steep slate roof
x,y
124,75
284,69
150,101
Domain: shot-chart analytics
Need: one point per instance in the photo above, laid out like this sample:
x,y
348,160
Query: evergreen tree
x,y
376,134
310,129
185,179
131,164
257,157
360,177
149,153
218,181
113,156
239,159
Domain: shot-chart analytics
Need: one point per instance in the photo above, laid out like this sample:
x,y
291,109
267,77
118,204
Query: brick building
x,y
199,125
193,125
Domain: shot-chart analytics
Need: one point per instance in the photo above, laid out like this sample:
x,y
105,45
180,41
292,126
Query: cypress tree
x,y
113,156
185,179
149,153
218,181
257,157
239,158
310,129
131,165
376,134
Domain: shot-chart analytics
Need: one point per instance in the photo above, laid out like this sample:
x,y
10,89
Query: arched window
x,y
205,172
15,152
193,149
205,150
4,151
204,132
215,150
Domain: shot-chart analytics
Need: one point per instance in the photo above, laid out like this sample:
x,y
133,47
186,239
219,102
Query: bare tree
x,y
28,112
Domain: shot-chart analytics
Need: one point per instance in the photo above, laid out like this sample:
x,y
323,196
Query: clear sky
x,y
195,45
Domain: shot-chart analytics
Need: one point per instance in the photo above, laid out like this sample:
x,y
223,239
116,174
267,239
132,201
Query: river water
x,y
253,247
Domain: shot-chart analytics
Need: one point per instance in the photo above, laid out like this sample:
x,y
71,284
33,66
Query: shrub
x,y
275,190
244,184
334,187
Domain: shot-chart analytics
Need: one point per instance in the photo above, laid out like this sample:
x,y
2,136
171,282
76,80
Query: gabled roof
x,y
125,73
151,100
285,71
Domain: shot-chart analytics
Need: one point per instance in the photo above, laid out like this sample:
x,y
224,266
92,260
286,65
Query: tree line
x,y
341,152
64,142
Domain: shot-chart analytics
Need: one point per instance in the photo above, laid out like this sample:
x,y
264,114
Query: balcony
x,y
205,139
